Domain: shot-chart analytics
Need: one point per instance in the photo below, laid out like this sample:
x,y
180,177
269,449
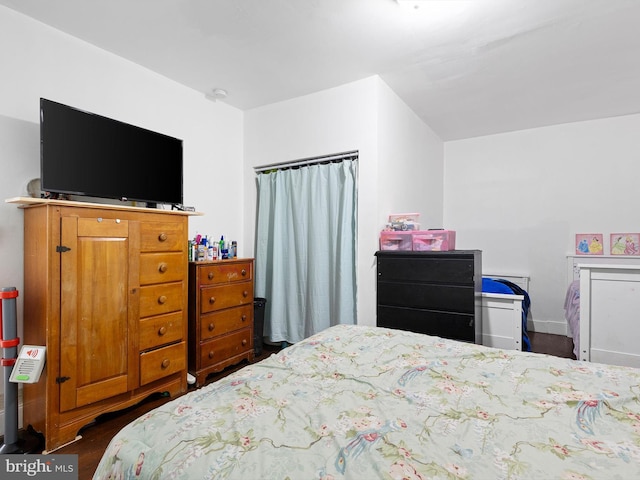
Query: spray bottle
x,y
224,253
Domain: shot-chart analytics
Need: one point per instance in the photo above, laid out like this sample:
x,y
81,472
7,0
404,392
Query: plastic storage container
x,y
433,240
390,240
404,221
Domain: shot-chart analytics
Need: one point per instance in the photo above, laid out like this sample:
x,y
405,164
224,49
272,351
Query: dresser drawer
x,y
162,237
445,298
226,321
433,269
225,296
226,273
164,361
162,267
222,348
159,299
159,330
442,324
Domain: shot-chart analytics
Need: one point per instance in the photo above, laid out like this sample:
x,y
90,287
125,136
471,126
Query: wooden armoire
x,y
105,290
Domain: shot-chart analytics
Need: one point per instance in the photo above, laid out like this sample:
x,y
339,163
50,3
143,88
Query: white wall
x,y
411,163
365,116
521,197
39,61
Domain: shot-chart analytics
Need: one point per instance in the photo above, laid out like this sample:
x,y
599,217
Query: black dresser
x,y
437,293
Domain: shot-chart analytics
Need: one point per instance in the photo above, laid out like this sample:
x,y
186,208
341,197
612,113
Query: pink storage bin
x,y
391,240
433,240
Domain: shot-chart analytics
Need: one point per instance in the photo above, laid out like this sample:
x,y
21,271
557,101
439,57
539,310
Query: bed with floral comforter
x,y
364,403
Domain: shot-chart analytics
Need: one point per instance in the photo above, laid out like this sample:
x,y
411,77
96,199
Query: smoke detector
x,y
216,94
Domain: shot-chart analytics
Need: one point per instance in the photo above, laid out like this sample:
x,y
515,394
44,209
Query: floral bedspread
x,y
364,403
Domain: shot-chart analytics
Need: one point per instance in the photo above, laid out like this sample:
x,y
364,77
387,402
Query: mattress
x,y
365,402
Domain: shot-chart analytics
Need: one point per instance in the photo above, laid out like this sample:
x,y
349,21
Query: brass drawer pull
x,y
165,363
162,237
211,354
244,272
212,300
211,327
163,267
244,342
210,276
162,299
162,331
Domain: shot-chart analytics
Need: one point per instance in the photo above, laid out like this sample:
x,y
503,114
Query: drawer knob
x,y
211,354
244,342
163,267
162,237
245,293
244,318
210,276
211,327
162,299
212,300
162,331
244,272
165,363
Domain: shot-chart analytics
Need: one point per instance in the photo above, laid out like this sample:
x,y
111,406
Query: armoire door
x,y
97,289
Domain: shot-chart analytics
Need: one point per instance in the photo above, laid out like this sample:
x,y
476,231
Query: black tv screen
x,y
82,153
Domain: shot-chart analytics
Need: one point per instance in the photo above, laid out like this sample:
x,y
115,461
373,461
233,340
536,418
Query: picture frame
x,y
589,244
627,244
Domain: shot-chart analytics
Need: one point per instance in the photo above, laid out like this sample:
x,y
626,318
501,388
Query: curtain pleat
x,y
306,249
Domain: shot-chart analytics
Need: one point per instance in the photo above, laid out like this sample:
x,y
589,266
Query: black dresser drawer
x,y
448,298
415,269
440,324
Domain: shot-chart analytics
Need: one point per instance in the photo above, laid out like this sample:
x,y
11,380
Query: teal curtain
x,y
306,249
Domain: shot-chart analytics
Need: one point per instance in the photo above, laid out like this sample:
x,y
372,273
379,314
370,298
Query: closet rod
x,y
336,157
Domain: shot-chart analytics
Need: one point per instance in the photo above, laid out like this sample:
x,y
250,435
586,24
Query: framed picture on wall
x,y
625,244
589,244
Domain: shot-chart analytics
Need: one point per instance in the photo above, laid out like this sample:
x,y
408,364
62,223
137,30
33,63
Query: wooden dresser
x,y
220,315
437,293
105,290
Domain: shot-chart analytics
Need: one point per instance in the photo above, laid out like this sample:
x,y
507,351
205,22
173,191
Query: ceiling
x,y
466,67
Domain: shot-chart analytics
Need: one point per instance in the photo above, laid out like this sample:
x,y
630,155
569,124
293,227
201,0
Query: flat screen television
x,y
86,154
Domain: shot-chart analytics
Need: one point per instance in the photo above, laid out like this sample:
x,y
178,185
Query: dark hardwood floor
x,y
558,345
96,436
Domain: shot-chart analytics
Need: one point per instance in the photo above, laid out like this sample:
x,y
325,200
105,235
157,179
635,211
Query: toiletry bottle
x,y
223,250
